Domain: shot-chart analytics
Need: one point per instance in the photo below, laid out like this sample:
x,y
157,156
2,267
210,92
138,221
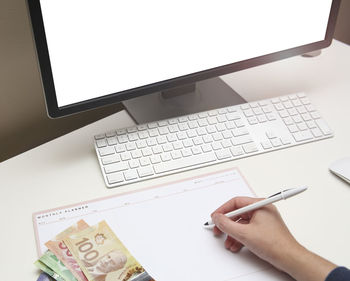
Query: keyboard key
x,y
186,152
266,145
302,136
115,178
118,167
262,118
120,148
285,140
248,113
187,143
271,116
292,112
184,163
155,159
106,150
323,127
130,175
279,106
311,124
131,129
271,134
178,145
163,130
153,141
112,141
293,128
226,143
177,154
130,146
145,162
134,164
141,143
157,149
241,140
144,172
306,117
223,154
166,157
136,154
302,126
253,120
121,132
276,142
305,101
100,136
142,127
216,146
316,132
101,143
237,151
173,128
250,147
125,156
315,115
207,147
239,123
232,116
110,159
288,121
146,151
162,123
195,150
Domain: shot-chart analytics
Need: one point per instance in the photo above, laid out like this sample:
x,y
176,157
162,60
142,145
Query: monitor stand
x,y
201,96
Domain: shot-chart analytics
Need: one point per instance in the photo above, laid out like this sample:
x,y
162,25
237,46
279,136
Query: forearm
x,y
304,265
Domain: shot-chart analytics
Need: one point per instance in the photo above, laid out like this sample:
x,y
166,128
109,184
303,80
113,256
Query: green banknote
x,y
51,261
48,270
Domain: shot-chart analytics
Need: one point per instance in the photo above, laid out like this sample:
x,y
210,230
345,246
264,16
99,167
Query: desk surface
x,y
66,171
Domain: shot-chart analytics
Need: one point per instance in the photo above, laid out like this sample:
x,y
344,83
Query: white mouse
x,y
341,168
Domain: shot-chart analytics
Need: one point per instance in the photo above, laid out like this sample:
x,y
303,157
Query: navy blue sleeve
x,y
339,274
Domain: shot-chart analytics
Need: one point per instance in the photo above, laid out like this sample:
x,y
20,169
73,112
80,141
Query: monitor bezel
x,y
54,111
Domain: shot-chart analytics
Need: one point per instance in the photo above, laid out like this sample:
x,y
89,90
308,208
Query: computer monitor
x,y
97,52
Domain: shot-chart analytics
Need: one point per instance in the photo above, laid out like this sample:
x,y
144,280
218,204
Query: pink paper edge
x,y
125,193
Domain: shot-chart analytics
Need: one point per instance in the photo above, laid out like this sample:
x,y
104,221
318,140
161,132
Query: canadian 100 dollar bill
x,y
59,248
103,257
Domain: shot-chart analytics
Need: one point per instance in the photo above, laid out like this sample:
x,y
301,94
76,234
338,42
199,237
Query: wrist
x,y
304,265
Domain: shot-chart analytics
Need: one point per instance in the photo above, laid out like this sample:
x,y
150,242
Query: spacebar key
x,y
184,163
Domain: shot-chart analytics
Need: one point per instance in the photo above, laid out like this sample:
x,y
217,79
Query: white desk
x,y
66,171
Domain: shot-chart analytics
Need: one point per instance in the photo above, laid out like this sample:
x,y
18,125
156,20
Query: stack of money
x,y
89,253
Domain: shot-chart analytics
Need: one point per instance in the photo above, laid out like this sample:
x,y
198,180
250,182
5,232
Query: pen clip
x,y
281,192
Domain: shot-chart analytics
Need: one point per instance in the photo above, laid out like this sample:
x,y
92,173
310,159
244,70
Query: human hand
x,y
262,231
265,234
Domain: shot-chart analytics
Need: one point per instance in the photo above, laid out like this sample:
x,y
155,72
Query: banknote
x,y
60,250
51,261
44,277
48,271
103,257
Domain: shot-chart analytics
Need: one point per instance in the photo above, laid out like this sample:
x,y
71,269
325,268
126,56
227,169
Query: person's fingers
x,y
234,229
236,203
236,246
229,242
217,231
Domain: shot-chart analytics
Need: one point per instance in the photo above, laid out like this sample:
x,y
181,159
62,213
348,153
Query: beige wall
x,y
23,120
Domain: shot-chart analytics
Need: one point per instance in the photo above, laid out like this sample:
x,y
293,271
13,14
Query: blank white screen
x,y
100,47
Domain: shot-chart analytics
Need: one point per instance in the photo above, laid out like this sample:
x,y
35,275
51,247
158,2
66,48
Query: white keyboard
x,y
178,144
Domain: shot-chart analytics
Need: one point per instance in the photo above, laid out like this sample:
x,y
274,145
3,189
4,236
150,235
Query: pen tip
x,y
206,223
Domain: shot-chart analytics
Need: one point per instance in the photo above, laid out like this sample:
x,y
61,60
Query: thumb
x,y
228,226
